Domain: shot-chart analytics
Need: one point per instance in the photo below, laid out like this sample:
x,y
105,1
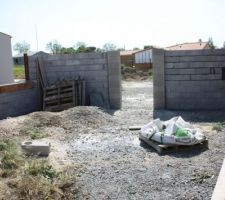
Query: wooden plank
x,y
42,73
64,90
15,87
59,108
58,96
162,148
79,92
135,128
151,143
83,93
26,67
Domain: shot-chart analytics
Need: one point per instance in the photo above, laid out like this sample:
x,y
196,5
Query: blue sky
x,y
129,23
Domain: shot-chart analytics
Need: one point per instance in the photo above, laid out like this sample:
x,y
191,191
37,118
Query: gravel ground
x,y
116,166
111,162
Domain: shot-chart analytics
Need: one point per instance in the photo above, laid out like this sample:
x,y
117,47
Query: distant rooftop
x,y
5,34
29,53
128,52
189,46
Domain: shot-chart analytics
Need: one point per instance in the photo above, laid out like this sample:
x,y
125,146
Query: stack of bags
x,y
174,131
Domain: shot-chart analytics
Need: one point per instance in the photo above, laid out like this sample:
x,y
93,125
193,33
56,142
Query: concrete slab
x,y
218,193
39,148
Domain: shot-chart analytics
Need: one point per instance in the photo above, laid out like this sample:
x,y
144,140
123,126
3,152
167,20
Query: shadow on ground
x,y
177,154
191,116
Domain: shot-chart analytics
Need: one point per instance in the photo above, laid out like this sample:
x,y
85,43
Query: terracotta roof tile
x,y
189,46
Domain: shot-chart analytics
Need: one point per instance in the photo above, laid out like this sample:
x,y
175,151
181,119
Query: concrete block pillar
x,y
158,79
114,79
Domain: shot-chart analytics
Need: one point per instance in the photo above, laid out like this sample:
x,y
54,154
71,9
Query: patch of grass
x,y
41,181
11,161
11,156
150,74
37,187
218,126
19,71
41,167
200,177
33,178
35,133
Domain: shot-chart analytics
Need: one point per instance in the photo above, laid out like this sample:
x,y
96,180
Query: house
x,y
143,59
6,64
126,57
189,46
19,60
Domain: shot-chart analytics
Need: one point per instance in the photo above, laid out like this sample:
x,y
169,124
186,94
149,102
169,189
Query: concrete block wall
x,y
100,70
194,80
19,102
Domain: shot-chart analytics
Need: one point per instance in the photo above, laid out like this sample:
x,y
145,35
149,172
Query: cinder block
x,y
36,148
177,77
207,77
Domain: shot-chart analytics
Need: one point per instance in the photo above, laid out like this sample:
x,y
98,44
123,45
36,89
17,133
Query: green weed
x,y
35,133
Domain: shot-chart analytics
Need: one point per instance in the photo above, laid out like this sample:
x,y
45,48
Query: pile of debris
x,y
130,73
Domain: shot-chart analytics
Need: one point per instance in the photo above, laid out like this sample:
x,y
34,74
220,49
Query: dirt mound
x,y
85,117
76,118
130,73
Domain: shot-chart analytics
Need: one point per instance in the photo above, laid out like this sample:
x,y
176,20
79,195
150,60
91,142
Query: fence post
x,y
26,67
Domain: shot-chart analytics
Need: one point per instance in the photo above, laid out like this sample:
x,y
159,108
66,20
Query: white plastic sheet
x,y
165,132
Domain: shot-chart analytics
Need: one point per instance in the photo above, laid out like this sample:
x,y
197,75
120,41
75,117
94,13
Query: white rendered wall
x,y
6,62
143,56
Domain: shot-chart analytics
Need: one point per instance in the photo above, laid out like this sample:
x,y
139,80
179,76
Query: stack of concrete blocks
x,y
101,71
192,80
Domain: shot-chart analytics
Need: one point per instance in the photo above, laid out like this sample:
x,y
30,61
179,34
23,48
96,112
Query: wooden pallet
x,y
162,148
59,97
62,95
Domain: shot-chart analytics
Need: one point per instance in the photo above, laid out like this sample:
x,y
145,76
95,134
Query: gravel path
x,y
110,161
116,166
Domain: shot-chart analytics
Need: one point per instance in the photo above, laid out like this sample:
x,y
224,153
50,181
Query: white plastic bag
x,y
154,131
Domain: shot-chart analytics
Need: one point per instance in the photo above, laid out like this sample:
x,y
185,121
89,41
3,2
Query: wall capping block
x,y
15,87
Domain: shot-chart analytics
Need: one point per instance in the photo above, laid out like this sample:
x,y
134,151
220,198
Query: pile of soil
x,y
130,73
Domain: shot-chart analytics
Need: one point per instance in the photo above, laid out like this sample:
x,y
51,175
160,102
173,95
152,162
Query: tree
x,y
54,47
69,50
21,47
99,50
148,46
90,49
80,47
211,43
136,48
223,45
109,47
